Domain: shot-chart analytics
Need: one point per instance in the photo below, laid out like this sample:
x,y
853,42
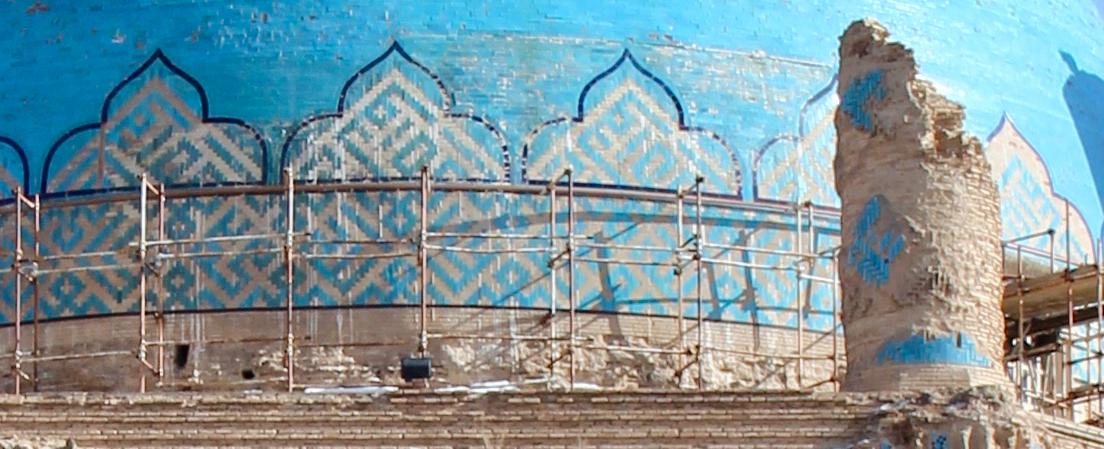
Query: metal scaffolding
x,y
1055,327
1054,318
564,247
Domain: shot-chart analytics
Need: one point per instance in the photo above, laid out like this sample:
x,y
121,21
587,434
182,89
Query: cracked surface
x,y
920,270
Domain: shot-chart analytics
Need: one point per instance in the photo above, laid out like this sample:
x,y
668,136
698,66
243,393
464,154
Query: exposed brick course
x,y
921,254
605,419
745,356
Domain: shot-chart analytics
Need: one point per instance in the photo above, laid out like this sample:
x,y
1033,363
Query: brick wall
x,y
921,251
464,351
526,420
627,420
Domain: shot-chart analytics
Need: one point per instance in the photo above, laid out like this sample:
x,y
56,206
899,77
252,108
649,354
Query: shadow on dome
x,y
1084,95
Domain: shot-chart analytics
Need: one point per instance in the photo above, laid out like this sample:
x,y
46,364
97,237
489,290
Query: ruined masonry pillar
x,y
920,259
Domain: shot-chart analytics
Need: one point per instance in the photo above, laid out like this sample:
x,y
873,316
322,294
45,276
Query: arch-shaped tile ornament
x,y
630,131
13,168
393,116
791,168
1029,203
13,175
155,122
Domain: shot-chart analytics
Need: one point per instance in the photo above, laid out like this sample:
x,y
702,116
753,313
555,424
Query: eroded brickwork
x,y
920,261
244,350
647,419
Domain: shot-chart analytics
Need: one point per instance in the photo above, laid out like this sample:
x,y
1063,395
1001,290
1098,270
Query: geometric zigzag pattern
x,y
7,257
798,169
765,296
1028,202
357,216
13,175
155,122
96,228
393,117
239,281
874,248
13,167
630,130
496,279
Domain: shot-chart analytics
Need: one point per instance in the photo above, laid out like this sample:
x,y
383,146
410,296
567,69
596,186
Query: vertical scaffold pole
x,y
1019,321
1050,257
1069,263
17,367
679,197
143,199
289,279
699,247
1099,323
423,260
35,349
571,271
812,228
1067,365
553,348
799,304
835,319
812,251
1088,337
160,286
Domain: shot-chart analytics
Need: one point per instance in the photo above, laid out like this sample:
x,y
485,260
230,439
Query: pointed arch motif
x,y
791,168
393,116
13,175
13,167
1029,203
630,130
155,121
